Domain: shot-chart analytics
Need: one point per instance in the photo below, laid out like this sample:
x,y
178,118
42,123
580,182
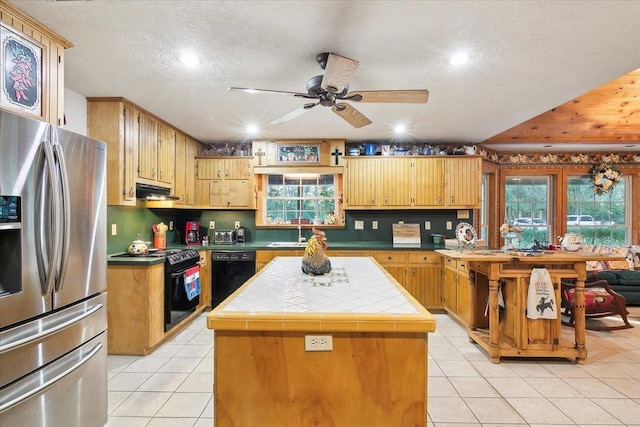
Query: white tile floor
x,y
173,385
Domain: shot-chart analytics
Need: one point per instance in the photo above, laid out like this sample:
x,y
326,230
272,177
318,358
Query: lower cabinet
x,y
135,308
205,280
457,290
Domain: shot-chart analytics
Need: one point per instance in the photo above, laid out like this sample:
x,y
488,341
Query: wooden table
x,y
508,332
375,374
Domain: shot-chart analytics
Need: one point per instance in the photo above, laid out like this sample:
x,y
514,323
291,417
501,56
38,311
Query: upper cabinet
x,y
46,48
141,149
224,183
447,182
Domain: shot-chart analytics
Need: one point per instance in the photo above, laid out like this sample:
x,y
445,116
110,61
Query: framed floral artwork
x,y
298,154
21,65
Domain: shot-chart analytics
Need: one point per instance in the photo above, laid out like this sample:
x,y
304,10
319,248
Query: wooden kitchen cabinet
x,y
147,149
135,298
184,179
135,308
52,64
448,182
116,124
205,280
166,154
224,183
419,272
264,257
457,289
424,278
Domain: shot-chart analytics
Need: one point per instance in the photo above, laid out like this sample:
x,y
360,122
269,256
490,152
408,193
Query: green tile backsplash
x,y
131,221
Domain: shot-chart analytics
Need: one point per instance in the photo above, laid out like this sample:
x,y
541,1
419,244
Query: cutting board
x,y
406,235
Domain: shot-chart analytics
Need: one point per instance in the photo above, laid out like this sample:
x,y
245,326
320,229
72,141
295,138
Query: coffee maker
x,y
192,233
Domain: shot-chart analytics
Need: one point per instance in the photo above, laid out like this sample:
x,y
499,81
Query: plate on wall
x,y
466,235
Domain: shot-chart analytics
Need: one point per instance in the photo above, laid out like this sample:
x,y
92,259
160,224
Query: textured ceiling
x,y
526,59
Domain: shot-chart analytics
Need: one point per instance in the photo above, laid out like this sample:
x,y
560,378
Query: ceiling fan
x,y
332,88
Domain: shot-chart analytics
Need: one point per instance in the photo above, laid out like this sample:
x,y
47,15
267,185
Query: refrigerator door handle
x,y
57,377
49,205
64,216
64,322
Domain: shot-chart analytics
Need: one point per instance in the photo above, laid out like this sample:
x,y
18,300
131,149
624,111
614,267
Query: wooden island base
x,y
507,331
375,374
369,379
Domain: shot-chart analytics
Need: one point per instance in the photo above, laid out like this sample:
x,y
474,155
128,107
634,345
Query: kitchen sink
x,y
287,244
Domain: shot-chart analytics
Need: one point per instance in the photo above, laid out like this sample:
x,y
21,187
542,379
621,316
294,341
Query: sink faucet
x,y
300,238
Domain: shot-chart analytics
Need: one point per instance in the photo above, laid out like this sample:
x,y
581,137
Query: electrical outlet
x,y
427,225
318,343
212,224
400,222
237,224
449,225
170,225
359,225
114,229
374,225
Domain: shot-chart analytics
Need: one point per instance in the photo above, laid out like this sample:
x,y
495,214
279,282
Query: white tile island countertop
x,y
375,373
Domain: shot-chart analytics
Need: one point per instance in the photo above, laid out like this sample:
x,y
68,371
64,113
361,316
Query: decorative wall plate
x,y
466,236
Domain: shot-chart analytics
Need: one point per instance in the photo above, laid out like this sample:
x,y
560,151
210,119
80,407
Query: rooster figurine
x,y
315,261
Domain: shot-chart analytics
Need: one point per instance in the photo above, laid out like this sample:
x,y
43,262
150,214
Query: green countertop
x,y
264,246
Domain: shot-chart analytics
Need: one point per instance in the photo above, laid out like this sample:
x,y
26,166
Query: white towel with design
x,y
541,299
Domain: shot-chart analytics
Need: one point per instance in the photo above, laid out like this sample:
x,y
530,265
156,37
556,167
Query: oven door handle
x,y
179,273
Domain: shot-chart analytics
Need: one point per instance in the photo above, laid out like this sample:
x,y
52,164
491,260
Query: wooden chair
x,y
600,301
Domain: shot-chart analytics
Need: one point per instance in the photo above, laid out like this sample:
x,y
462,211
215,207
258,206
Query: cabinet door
x,y
230,193
205,279
424,278
210,169
179,187
237,169
191,148
450,289
396,181
361,183
428,182
463,295
130,159
147,147
463,181
166,154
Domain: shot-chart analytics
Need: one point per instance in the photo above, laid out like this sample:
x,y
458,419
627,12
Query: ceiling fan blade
x,y
352,116
338,72
292,114
281,92
391,96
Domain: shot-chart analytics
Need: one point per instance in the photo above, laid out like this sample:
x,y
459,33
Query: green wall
x,y
131,221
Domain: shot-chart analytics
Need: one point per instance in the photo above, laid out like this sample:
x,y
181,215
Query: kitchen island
x,y
374,374
505,330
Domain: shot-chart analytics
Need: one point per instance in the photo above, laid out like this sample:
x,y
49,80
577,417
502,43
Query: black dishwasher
x,y
229,270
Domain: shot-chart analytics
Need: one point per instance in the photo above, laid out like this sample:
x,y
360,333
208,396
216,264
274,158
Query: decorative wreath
x,y
604,177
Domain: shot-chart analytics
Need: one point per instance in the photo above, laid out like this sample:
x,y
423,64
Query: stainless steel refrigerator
x,y
53,268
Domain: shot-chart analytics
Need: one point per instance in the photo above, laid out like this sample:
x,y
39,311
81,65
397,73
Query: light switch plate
x,y
170,225
359,225
237,225
449,225
374,225
114,229
427,225
212,225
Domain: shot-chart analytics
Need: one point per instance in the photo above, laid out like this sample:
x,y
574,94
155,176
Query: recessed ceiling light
x,y
190,59
547,146
400,129
459,58
630,146
252,129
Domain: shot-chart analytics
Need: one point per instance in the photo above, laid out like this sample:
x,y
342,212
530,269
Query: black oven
x,y
181,285
229,270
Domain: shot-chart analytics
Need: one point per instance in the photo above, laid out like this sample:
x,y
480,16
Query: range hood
x,y
150,192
